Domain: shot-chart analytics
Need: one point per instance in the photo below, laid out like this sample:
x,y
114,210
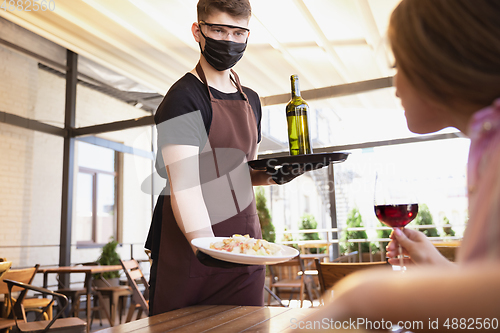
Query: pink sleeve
x,y
482,236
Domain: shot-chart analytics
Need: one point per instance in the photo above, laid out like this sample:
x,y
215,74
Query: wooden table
x,y
88,270
217,318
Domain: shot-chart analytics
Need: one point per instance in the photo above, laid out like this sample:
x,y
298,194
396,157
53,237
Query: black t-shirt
x,y
185,114
184,117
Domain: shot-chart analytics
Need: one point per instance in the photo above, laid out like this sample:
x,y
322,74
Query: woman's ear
x,y
195,29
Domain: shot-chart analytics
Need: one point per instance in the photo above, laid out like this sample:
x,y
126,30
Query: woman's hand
x,y
415,245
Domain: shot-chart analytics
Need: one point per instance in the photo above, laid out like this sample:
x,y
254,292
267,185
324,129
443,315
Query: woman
x,y
448,61
447,56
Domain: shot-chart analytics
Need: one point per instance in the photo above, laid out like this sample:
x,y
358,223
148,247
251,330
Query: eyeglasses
x,y
222,31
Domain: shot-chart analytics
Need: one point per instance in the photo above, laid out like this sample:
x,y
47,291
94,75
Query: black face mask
x,y
222,54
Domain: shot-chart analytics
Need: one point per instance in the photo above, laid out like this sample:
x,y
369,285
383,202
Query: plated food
x,y
230,249
247,245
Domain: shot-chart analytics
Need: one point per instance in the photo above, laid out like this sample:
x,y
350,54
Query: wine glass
x,y
395,205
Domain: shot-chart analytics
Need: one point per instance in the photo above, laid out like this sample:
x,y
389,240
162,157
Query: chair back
x,y
25,275
350,257
4,266
449,252
287,270
148,253
65,324
290,275
134,274
330,273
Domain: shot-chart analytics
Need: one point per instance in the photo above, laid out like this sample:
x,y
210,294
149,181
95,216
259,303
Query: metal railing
x,y
332,241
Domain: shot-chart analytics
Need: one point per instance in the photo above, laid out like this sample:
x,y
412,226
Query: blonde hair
x,y
449,49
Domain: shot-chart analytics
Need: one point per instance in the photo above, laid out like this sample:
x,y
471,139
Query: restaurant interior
x,y
80,82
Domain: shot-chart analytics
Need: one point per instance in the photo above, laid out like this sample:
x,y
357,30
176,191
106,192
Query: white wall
x,y
31,164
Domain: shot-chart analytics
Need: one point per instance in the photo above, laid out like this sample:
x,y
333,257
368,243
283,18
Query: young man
x,y
208,128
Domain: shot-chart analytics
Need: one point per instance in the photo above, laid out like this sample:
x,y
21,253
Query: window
x,y
96,195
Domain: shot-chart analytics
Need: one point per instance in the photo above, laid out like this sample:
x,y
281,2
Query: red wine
x,y
396,216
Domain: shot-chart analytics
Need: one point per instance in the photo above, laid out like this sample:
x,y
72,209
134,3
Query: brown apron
x,y
181,280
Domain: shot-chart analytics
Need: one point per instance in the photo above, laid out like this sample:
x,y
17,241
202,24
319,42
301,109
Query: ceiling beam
x,y
277,45
41,25
333,91
114,126
158,45
307,44
97,33
260,64
34,55
15,120
373,37
323,42
374,144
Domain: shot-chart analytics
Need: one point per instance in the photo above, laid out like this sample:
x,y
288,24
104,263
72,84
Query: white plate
x,y
203,244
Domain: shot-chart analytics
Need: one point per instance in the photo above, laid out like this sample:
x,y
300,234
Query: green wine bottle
x,y
296,117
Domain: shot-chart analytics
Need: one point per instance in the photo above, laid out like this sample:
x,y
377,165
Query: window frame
x,y
118,195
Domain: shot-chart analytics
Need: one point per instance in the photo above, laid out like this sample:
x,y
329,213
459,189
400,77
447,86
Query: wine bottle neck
x,y
295,86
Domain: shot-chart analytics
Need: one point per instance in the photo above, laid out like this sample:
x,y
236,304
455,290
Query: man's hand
x,y
284,174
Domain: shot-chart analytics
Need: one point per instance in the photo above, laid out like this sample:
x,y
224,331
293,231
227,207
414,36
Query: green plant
x,y
266,224
424,217
308,222
354,220
109,256
381,234
448,231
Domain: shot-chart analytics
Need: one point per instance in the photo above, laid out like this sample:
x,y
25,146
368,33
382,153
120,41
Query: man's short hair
x,y
236,8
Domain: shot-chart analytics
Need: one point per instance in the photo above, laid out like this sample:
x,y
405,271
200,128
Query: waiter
x,y
208,128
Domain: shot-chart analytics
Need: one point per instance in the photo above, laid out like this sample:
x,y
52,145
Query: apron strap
x,y
236,80
203,78
233,77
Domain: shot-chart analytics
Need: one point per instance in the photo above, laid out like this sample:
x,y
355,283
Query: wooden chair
x,y
330,273
448,249
5,322
139,300
449,252
24,275
350,257
148,253
313,251
75,295
115,294
43,306
289,276
64,325
4,267
37,304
